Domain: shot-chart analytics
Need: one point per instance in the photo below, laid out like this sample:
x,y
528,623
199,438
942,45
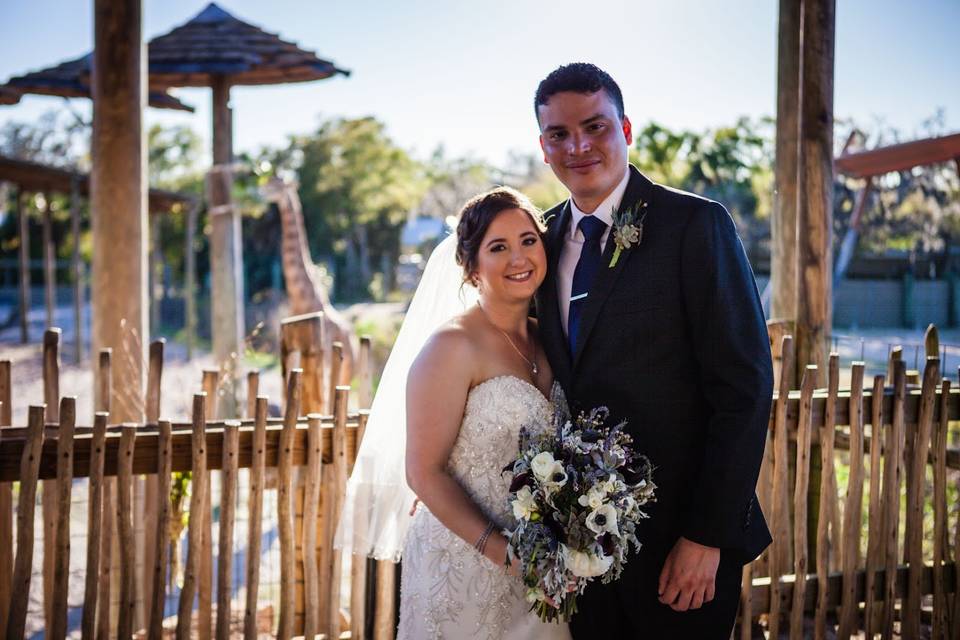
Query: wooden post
x,y
779,553
103,392
940,513
853,506
94,524
24,256
253,388
161,553
194,528
311,498
910,625
285,506
359,563
783,267
148,534
875,540
815,183
49,260
76,268
212,389
339,483
128,584
827,536
804,428
6,502
190,278
364,374
118,197
228,496
51,397
29,471
336,362
61,572
226,249
255,518
892,477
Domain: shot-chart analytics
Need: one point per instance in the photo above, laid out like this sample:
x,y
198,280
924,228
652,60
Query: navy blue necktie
x,y
585,273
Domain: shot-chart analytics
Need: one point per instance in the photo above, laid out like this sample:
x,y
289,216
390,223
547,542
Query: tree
x,y
357,188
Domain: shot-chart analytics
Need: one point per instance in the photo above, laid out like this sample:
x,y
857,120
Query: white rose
x,y
584,564
542,465
593,498
524,505
535,595
603,519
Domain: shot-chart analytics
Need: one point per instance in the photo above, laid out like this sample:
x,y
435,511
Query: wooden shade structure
x,y
71,79
899,157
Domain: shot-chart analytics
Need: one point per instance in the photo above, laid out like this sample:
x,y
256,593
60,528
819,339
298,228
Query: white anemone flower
x,y
593,498
603,520
584,564
556,477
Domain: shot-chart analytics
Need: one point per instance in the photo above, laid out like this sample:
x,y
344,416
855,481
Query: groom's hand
x,y
687,578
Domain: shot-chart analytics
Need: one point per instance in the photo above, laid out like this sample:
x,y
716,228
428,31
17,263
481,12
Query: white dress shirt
x,y
573,243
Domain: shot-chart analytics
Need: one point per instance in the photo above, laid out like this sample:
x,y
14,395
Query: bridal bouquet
x,y
577,494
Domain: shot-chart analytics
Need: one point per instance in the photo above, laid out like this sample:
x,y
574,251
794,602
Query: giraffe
x,y
304,290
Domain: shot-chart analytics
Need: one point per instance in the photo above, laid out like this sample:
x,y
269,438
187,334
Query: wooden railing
x,y
307,453
890,434
886,435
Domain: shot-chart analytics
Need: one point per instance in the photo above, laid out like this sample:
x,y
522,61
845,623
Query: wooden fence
x,y
307,453
886,437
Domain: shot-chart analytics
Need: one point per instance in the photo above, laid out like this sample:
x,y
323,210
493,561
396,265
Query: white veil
x,y
376,508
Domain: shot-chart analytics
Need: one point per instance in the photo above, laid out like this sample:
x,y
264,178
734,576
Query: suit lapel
x,y
637,188
551,329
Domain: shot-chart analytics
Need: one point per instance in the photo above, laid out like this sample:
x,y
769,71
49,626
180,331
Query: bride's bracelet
x,y
481,544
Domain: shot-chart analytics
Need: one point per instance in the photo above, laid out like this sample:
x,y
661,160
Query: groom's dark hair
x,y
579,77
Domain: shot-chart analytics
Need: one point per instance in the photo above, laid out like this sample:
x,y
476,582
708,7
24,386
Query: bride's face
x,y
511,262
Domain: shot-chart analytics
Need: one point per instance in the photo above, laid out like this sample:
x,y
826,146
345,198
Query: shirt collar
x,y
604,211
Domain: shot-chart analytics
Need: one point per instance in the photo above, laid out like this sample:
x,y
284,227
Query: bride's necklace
x,y
534,369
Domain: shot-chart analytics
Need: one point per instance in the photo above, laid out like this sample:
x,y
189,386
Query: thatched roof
x,y
215,43
71,79
42,178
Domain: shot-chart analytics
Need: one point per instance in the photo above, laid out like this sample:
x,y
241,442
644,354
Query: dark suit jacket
x,y
673,340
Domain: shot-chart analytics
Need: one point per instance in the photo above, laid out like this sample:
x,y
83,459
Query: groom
x,y
656,317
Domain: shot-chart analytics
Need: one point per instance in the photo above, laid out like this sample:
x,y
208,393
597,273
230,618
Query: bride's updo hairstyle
x,y
477,215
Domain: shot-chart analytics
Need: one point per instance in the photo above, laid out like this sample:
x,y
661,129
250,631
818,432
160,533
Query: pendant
x,y
535,368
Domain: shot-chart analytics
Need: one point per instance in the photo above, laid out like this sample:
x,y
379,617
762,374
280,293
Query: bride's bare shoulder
x,y
452,349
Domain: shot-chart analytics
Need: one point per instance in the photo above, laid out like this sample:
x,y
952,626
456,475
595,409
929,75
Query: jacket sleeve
x,y
725,321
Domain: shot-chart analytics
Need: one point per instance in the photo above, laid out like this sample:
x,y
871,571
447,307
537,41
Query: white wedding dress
x,y
447,589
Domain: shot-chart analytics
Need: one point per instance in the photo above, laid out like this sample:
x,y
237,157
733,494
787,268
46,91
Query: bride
x,y
477,375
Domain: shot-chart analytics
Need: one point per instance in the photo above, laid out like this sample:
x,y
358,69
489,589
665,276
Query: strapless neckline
x,y
511,376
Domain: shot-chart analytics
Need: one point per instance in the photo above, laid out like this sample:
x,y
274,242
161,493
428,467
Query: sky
x,y
463,73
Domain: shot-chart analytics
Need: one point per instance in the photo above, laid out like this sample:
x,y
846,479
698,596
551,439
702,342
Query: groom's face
x,y
585,142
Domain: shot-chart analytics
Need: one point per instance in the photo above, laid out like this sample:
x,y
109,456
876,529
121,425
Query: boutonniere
x,y
627,229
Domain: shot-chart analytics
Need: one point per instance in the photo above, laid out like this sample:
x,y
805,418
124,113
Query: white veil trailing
x,y
376,509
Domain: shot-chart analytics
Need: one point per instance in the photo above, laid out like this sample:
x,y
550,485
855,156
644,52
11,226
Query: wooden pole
x,y
226,249
892,480
285,507
311,498
103,392
359,563
118,197
194,528
190,278
61,573
228,495
826,535
24,256
22,570
815,184
783,266
940,513
6,502
49,260
804,428
149,531
51,397
94,528
161,554
128,584
256,518
76,267
853,507
211,387
338,480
